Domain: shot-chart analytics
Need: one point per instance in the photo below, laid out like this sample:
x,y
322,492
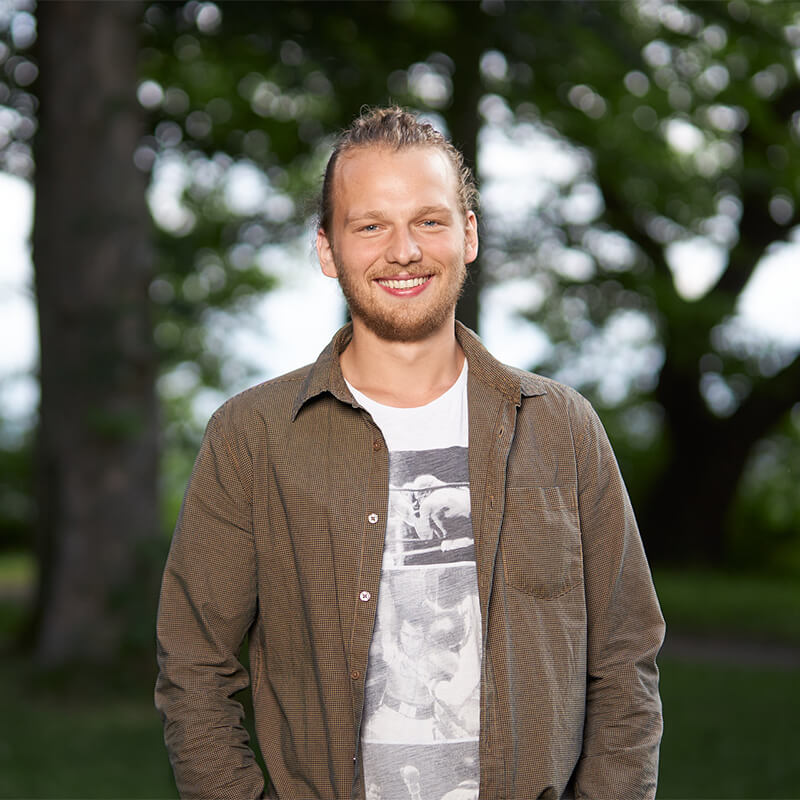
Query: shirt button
x,y
355,674
373,518
364,596
376,445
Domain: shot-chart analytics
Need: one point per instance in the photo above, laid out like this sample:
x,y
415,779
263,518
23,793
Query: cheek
x,y
448,251
360,254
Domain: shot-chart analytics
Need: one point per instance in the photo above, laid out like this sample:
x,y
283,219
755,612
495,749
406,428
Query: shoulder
x,y
527,389
269,401
557,411
550,394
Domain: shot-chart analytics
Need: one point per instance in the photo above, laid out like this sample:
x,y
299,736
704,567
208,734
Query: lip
x,y
404,286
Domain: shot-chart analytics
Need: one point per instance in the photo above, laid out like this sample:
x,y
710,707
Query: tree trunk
x,y
97,449
465,124
686,516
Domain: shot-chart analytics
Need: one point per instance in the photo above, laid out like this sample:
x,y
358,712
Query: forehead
x,y
366,176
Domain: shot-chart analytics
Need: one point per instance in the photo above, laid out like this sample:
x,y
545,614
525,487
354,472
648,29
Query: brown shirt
x,y
281,537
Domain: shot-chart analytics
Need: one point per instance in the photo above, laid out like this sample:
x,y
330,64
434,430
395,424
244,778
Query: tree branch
x,y
768,402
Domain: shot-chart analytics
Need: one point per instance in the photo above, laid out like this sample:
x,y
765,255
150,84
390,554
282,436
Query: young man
x,y
433,555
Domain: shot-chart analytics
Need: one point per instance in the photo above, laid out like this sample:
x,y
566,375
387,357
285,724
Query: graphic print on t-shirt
x,y
421,714
429,516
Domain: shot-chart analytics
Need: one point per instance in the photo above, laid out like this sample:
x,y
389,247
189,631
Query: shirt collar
x,y
484,367
325,374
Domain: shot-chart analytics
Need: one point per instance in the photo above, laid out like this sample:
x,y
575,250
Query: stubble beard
x,y
403,324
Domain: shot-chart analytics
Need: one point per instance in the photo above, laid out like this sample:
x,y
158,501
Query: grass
x,y
17,570
84,736
760,607
730,731
105,744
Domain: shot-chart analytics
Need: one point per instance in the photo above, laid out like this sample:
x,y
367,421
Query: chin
x,y
402,333
403,330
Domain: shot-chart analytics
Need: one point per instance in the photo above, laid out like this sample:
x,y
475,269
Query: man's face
x,y
412,638
398,241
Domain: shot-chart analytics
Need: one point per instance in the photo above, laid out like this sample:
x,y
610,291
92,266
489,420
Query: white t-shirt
x,y
422,705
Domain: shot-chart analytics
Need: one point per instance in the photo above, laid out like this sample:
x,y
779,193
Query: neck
x,y
402,374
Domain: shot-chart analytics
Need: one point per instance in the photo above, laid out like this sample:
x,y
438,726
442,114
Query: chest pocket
x,y
540,541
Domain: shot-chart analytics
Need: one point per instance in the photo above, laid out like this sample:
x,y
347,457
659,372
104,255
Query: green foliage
x,y
685,118
254,91
17,72
729,731
622,82
17,507
765,520
114,425
18,575
17,126
680,122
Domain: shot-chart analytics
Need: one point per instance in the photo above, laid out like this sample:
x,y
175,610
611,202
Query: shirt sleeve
x,y
207,605
623,725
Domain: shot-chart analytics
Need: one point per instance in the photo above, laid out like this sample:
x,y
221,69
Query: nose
x,y
403,248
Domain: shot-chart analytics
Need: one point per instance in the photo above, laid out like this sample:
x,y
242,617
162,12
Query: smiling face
x,y
398,241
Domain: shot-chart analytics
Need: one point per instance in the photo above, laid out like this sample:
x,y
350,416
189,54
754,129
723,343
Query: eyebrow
x,y
429,211
363,215
425,211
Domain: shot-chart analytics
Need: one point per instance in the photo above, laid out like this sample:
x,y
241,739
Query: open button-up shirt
x,y
281,538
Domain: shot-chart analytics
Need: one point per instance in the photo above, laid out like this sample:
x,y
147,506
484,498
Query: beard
x,y
409,321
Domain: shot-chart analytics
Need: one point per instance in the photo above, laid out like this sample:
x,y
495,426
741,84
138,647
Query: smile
x,y
404,283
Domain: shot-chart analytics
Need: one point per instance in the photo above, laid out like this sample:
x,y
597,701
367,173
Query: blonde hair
x,y
396,128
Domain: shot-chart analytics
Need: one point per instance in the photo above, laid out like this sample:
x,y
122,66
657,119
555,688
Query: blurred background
x,y
639,165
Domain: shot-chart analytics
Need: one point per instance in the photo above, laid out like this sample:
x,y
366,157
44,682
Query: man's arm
x,y
208,602
625,631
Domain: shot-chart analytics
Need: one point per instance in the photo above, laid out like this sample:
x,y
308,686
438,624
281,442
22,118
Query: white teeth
x,y
406,283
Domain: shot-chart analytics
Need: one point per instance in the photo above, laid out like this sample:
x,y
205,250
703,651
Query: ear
x,y
470,237
325,254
